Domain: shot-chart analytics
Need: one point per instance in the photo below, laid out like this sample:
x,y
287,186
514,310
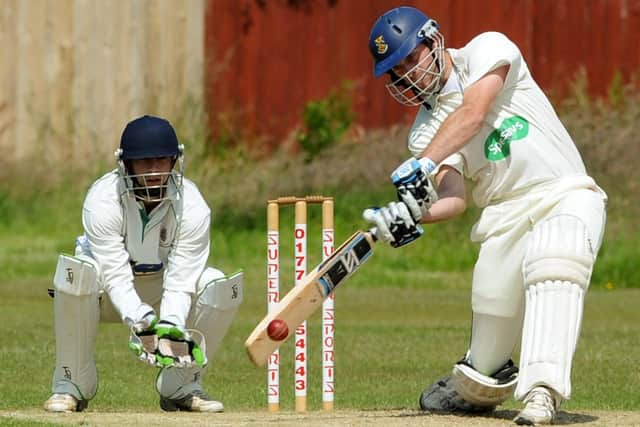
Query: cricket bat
x,y
301,301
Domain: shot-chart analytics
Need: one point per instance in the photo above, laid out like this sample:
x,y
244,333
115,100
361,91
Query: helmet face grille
x,y
153,187
413,91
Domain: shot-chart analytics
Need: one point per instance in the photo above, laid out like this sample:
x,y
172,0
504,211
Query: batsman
x,y
142,261
482,117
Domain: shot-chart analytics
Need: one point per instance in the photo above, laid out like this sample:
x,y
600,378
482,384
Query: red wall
x,y
266,58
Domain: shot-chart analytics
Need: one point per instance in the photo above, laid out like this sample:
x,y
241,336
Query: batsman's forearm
x,y
452,196
444,209
456,131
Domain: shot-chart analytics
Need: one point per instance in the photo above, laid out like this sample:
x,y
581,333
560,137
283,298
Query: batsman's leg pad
x,y
76,312
482,390
218,301
553,315
560,249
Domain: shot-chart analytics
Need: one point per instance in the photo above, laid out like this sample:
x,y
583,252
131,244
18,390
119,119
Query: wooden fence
x,y
266,58
73,72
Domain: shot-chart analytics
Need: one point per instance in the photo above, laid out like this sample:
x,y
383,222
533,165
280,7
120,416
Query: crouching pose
x,y
142,261
482,116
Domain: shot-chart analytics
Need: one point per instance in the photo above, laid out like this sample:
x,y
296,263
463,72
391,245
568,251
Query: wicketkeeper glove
x,y
394,224
143,340
176,346
414,185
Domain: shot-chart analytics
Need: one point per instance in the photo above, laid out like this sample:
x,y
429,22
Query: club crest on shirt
x,y
497,145
163,235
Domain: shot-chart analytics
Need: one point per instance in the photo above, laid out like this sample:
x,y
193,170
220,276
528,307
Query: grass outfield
x,y
390,343
402,320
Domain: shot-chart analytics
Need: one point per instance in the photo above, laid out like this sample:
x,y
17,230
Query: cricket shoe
x,y
540,407
441,397
196,401
63,402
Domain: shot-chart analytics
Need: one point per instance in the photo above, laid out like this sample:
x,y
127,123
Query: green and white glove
x,y
176,346
143,341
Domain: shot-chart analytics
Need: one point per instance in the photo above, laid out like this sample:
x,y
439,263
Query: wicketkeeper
x,y
482,116
142,260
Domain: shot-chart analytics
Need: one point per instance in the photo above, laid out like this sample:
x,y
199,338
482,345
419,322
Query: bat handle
x,y
374,233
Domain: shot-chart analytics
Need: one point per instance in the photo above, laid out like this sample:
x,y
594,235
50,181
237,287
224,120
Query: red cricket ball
x,y
277,330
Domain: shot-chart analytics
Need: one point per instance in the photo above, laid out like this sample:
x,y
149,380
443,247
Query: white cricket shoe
x,y
197,401
541,405
63,402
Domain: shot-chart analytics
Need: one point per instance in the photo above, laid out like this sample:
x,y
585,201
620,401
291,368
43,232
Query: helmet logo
x,y
381,45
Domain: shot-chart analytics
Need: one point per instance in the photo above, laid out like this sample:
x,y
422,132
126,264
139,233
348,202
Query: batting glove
x,y
413,183
395,225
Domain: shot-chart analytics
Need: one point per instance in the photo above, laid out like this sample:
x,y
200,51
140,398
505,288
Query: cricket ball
x,y
277,330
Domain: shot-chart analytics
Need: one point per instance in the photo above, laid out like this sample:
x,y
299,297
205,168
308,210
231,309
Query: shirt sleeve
x,y
188,258
175,307
489,51
102,219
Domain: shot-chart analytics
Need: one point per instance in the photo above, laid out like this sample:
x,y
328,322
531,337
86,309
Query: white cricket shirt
x,y
522,142
172,240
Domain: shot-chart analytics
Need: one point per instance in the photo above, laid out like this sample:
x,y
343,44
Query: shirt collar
x,y
452,84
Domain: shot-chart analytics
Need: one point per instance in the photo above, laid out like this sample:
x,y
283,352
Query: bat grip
x,y
374,233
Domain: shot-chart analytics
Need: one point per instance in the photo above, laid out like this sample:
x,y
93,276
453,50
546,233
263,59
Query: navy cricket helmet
x,y
148,137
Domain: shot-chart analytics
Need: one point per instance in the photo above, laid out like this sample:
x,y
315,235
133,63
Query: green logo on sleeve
x,y
496,147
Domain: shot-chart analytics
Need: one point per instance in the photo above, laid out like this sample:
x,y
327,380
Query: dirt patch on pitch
x,y
389,418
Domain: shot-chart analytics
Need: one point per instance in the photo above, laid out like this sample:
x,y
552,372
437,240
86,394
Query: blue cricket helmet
x,y
148,137
395,34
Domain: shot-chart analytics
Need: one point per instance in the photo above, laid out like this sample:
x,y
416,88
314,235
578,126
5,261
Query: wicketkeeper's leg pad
x,y
76,275
76,311
482,390
217,303
176,383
